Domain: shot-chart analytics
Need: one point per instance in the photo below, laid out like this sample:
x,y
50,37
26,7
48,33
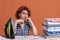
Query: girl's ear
x,y
18,14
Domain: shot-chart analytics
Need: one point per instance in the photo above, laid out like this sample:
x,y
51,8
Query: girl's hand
x,y
21,21
29,19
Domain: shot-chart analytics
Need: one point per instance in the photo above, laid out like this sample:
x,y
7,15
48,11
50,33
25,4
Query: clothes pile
x,y
51,26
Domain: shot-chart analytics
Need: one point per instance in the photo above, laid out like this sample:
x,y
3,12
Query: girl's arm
x,y
16,22
33,27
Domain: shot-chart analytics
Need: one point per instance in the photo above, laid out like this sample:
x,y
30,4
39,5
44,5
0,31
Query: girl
x,y
23,23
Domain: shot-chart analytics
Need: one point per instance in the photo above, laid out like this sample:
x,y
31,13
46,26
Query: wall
x,y
40,9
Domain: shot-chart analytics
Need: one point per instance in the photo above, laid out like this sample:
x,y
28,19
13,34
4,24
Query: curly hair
x,y
20,10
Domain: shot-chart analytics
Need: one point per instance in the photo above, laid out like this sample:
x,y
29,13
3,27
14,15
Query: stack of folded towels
x,y
51,26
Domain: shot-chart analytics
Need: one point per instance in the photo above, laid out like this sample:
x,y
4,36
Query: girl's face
x,y
24,14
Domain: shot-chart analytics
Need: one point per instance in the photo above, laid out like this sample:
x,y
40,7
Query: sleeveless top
x,y
24,31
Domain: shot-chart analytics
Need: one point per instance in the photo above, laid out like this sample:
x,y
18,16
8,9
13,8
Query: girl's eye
x,y
24,13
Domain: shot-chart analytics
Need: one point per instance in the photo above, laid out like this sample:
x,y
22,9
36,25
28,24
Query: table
x,y
30,38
